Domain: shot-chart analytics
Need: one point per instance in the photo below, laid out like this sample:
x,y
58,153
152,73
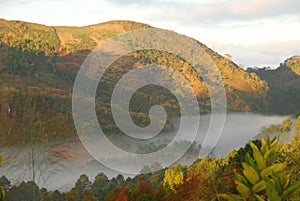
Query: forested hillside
x,y
284,83
38,65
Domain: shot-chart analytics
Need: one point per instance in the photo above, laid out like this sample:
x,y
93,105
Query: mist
x,y
59,166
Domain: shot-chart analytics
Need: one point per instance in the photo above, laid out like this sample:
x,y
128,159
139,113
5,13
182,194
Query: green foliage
x,y
284,82
77,192
2,194
290,153
98,189
18,62
241,154
24,191
26,113
263,176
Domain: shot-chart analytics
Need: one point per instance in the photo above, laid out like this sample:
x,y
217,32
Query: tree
x,y
286,125
239,156
263,177
98,187
173,177
57,196
297,128
159,193
78,192
101,180
25,191
117,194
143,191
202,180
88,196
290,152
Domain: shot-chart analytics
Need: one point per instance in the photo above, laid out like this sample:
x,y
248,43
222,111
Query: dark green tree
x,y
98,186
77,192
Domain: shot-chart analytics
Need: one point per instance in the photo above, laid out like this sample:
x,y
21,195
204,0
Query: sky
x,y
255,32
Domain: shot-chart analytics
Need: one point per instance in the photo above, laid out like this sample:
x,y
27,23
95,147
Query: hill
x,y
284,82
38,65
294,64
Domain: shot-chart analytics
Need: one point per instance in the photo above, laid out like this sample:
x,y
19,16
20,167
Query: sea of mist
x,y
58,166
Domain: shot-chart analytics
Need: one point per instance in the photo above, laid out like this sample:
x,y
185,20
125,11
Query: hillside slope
x,y
38,65
284,82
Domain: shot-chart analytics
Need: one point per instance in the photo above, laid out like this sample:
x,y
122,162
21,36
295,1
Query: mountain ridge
x,y
284,82
38,66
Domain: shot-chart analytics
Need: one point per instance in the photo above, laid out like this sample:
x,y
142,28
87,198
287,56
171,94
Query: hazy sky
x,y
254,32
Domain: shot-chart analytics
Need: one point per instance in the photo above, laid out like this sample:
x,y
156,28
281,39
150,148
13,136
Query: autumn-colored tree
x,y
117,194
202,179
286,125
143,191
159,193
115,182
88,196
290,153
173,177
57,196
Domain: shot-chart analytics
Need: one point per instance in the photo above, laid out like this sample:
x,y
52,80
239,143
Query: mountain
x,y
284,83
38,65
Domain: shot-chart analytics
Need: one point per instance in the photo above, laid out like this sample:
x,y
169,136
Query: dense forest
x,y
284,83
38,65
